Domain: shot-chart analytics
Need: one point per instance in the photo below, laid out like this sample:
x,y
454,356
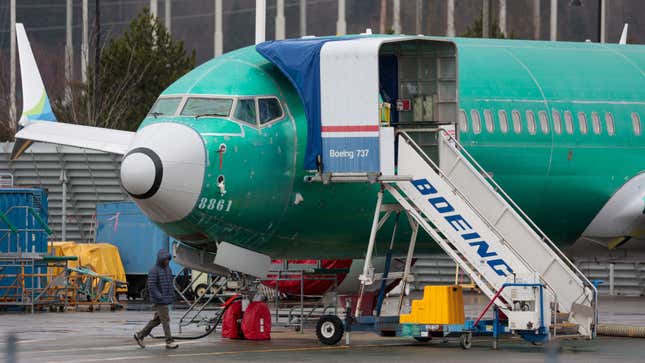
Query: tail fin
x,y
35,103
623,35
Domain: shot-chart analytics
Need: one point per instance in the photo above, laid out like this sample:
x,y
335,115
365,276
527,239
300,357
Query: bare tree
x,y
383,17
134,69
113,105
7,126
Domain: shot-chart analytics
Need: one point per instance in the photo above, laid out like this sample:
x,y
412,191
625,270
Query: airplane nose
x,y
164,170
141,173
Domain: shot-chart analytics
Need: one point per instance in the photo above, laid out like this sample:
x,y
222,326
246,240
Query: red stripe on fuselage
x,y
349,128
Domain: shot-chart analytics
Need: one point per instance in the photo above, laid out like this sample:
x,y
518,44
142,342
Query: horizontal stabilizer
x,y
94,138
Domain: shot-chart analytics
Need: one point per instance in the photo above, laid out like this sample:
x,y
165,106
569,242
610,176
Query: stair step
x,y
562,317
566,328
566,336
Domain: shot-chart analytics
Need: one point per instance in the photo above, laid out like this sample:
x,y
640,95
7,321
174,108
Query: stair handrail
x,y
485,220
424,222
452,142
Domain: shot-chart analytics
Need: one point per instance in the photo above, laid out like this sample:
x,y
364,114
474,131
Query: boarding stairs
x,y
480,227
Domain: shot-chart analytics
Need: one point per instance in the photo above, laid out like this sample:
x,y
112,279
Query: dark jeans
x,y
161,317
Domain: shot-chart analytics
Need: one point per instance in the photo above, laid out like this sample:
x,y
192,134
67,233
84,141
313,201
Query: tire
x,y
423,339
200,291
329,329
466,340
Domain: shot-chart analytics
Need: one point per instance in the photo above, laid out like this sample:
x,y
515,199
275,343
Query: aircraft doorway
x,y
419,79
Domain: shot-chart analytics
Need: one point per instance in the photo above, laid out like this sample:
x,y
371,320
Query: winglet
x,y
36,105
623,35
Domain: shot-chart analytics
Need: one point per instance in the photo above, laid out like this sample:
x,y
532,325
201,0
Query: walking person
x,y
161,295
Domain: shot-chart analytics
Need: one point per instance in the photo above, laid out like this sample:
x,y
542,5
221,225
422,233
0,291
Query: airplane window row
x,y
216,107
252,110
544,125
256,110
165,106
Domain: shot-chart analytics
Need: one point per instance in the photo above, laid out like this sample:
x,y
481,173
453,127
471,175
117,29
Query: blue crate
x,y
26,210
20,205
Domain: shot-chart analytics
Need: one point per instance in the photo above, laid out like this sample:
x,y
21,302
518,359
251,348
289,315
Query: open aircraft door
x,y
348,85
416,76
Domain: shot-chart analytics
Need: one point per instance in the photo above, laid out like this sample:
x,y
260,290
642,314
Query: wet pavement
x,y
73,337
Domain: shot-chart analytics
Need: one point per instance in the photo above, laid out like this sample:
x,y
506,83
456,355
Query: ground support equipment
x,y
33,281
93,290
306,309
452,198
209,298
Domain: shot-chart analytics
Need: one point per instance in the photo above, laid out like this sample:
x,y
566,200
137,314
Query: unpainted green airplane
x,y
220,157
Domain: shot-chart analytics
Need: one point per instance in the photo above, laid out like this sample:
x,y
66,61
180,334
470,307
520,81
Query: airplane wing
x,y
38,122
94,138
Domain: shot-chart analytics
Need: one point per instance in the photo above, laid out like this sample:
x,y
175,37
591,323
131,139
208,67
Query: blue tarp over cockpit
x,y
299,60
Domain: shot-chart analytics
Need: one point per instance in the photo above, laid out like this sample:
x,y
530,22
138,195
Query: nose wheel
x,y
329,329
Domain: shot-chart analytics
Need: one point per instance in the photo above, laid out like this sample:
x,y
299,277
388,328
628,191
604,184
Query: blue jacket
x,y
160,286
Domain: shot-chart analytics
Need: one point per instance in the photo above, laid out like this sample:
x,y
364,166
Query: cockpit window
x,y
269,109
207,107
245,110
165,106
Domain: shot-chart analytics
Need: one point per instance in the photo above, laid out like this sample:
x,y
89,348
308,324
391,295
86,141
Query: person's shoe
x,y
139,340
172,345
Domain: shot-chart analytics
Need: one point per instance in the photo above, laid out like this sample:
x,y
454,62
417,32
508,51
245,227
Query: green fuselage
x,y
560,179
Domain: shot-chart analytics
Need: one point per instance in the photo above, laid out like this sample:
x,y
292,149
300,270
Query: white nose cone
x,y
137,173
164,170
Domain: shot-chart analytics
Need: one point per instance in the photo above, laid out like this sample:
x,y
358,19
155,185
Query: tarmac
x,y
75,337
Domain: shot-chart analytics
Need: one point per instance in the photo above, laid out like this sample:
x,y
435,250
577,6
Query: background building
x,y
193,21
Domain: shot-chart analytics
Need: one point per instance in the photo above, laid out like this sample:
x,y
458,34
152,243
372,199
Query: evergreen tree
x,y
476,30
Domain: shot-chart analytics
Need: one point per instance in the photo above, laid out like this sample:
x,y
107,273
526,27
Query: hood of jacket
x,y
161,256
